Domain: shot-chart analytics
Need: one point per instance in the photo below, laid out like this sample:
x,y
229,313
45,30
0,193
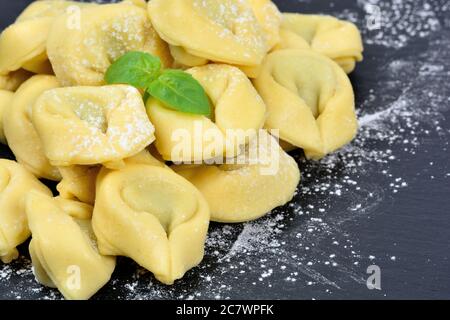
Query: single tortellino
x,y
13,80
23,44
81,55
92,125
5,101
238,108
221,31
243,192
20,132
269,17
78,183
15,183
63,247
152,215
337,39
310,101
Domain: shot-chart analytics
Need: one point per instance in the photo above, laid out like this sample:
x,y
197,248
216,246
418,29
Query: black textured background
x,y
394,208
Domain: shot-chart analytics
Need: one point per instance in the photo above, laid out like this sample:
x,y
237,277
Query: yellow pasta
x,y
237,107
78,183
337,39
5,102
15,183
309,99
152,215
81,54
95,125
63,247
252,189
213,26
20,132
13,80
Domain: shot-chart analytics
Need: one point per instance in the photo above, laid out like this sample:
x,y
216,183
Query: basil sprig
x,y
176,89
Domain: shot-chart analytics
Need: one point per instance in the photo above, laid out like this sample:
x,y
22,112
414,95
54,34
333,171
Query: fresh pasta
x,y
153,216
63,247
250,192
337,39
5,102
237,106
80,55
96,125
154,118
20,132
15,183
309,99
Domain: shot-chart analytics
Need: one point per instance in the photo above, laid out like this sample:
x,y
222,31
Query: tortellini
x,y
337,39
94,125
310,101
221,31
243,192
78,183
237,106
15,183
23,44
152,215
63,247
81,54
20,132
270,19
5,101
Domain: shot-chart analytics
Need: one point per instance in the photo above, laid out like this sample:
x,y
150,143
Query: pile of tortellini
x,y
119,194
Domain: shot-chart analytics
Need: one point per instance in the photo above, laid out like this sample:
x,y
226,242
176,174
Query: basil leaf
x,y
179,91
138,69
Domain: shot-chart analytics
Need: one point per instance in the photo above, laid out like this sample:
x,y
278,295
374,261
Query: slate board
x,y
384,200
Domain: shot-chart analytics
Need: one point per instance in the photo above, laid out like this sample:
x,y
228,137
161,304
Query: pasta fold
x,y
237,107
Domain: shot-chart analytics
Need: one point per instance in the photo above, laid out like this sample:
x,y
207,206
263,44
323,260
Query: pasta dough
x,y
309,99
337,39
20,131
222,31
95,125
237,106
5,101
15,183
81,56
238,193
63,248
153,216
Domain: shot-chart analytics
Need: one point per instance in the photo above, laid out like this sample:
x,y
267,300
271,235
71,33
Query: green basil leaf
x,y
179,91
138,69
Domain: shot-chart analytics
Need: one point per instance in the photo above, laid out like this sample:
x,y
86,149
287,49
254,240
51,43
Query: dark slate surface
x,y
384,200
